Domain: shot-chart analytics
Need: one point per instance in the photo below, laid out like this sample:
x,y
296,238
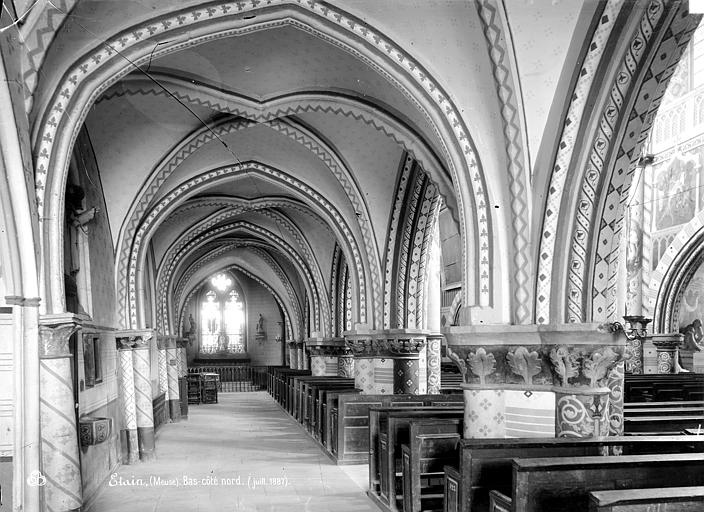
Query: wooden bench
x,y
329,399
433,443
302,393
314,392
394,424
485,462
670,499
348,423
563,484
664,387
664,418
454,401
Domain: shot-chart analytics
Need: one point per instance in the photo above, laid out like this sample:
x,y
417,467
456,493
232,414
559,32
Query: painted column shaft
x,y
293,356
301,357
634,247
128,436
317,366
433,364
163,375
143,402
59,434
345,366
406,376
172,372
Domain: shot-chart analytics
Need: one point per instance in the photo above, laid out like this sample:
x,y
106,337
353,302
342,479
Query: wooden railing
x,y
236,378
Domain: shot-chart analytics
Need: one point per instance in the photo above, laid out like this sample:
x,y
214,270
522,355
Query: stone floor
x,y
243,454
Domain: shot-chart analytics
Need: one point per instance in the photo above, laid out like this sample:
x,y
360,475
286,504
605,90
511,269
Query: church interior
x,y
395,255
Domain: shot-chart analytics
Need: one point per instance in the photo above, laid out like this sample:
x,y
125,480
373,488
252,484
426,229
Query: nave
x,y
246,436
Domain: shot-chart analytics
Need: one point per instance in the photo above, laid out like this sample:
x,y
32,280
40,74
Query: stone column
x,y
324,355
292,355
143,392
128,434
636,330
182,370
172,359
163,373
27,437
434,342
405,348
301,357
57,406
371,351
345,363
667,345
634,243
317,361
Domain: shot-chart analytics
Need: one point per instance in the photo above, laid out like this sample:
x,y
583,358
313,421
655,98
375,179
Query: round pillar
x,y
143,398
128,434
345,364
406,376
434,342
667,351
172,359
582,413
59,434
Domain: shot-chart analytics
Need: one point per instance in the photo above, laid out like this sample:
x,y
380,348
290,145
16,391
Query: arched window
x,y
222,317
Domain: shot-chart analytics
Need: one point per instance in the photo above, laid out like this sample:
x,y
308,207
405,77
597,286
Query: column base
x,y
175,410
129,440
146,443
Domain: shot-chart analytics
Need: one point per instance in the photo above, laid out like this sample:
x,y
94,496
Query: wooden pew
x,y
671,499
348,421
329,399
312,392
433,443
455,401
307,394
394,431
484,462
562,484
664,387
318,410
499,502
668,418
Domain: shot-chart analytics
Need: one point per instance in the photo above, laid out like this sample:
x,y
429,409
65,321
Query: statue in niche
x,y
191,326
260,324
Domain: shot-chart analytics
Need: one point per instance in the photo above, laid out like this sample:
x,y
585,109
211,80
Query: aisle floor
x,y
242,454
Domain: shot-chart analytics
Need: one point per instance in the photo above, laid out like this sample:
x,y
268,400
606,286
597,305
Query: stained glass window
x,y
222,318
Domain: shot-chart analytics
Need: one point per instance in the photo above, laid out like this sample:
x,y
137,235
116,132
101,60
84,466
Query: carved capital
x,y
386,345
134,338
326,347
54,333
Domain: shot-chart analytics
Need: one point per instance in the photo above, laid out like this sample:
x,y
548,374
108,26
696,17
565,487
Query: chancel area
x,y
351,255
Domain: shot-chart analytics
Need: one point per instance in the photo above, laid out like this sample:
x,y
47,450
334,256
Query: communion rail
x,y
235,378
